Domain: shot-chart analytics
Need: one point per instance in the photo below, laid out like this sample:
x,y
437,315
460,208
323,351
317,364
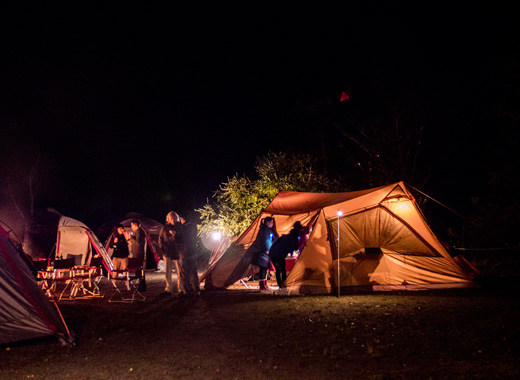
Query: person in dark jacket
x,y
282,247
171,244
136,242
264,240
120,251
188,260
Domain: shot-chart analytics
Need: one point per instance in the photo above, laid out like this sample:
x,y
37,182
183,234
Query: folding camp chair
x,y
62,273
41,267
95,274
89,275
131,278
43,273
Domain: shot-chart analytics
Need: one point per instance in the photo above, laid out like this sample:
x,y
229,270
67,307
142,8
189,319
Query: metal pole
x,y
339,213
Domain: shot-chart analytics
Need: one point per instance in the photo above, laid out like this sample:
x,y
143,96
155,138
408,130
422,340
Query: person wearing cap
x,y
170,245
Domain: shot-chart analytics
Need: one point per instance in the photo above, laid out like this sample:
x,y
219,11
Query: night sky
x,y
149,109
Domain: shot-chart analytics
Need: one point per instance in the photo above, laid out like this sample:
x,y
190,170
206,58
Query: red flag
x,y
344,96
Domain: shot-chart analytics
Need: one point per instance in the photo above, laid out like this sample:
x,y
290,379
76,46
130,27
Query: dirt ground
x,y
248,334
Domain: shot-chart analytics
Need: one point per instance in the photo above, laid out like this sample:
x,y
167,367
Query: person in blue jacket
x,y
264,240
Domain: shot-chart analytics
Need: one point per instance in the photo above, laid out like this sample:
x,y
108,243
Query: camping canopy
x,y
25,311
379,235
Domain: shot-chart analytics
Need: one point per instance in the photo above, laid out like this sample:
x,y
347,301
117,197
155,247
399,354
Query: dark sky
x,y
149,109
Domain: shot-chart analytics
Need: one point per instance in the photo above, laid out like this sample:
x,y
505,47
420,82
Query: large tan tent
x,y
383,243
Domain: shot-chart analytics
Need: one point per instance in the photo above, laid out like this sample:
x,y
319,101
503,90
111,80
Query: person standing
x,y
260,249
282,247
188,260
137,240
120,250
170,245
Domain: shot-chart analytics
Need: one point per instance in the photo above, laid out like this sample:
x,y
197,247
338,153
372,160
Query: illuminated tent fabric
x,y
25,311
52,234
75,239
384,244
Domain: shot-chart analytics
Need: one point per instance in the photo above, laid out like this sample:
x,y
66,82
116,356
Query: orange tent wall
x,y
385,219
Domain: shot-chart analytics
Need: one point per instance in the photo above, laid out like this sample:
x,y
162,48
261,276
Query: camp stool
x,y
63,273
132,276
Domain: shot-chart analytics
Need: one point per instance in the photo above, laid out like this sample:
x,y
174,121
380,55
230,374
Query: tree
x,y
239,200
235,205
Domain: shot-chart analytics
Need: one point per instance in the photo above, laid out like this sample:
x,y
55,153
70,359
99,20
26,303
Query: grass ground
x,y
248,334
